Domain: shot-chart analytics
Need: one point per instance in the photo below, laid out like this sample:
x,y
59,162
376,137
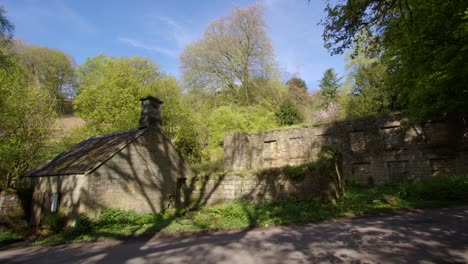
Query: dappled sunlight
x,y
432,236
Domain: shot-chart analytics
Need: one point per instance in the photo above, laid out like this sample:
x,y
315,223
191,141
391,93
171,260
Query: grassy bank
x,y
433,192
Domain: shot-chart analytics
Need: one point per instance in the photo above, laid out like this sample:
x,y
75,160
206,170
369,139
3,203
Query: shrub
x,y
448,188
55,222
288,114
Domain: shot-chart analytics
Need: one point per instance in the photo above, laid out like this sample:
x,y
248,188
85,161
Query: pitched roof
x,y
87,155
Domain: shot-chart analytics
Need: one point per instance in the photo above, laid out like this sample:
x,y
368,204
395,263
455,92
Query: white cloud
x,y
179,33
45,17
139,44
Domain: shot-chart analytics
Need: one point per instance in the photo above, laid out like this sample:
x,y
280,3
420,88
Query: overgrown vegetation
x,y
356,201
406,56
419,48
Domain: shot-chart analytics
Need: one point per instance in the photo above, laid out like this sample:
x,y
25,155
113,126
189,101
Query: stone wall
x,y
143,177
376,149
11,210
255,186
72,191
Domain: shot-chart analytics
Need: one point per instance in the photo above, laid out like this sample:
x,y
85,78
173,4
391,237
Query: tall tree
x,y
26,113
109,98
329,85
424,42
6,27
366,91
297,91
6,33
51,69
234,51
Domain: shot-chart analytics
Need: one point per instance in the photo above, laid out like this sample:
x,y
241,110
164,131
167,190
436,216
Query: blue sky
x,y
161,29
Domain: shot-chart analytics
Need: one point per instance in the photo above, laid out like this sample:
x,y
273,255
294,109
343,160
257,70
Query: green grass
x,y
111,223
11,236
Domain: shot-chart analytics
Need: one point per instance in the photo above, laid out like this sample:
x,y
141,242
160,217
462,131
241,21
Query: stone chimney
x,y
150,112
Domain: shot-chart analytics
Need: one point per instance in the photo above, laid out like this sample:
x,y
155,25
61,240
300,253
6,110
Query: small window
x,y
53,207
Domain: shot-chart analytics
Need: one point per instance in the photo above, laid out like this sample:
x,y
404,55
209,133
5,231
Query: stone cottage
x,y
137,170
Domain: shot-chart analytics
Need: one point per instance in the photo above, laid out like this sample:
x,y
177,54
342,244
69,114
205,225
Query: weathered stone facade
x,y
255,186
376,149
138,170
142,177
11,210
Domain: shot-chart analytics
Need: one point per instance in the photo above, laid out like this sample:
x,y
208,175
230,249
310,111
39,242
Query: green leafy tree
x,y
228,119
26,114
51,69
297,91
366,90
109,99
234,51
6,33
6,27
288,114
329,85
424,44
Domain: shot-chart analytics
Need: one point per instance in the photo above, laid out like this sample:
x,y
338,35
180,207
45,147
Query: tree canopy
x,y
6,32
329,84
26,113
51,69
110,89
288,114
234,51
424,45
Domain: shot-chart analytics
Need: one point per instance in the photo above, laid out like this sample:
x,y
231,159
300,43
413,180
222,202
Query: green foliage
x,y
423,45
51,69
6,33
55,222
329,85
83,225
293,172
6,28
233,53
233,118
242,214
298,83
297,91
367,91
288,114
110,217
9,236
27,114
208,167
109,99
445,188
110,90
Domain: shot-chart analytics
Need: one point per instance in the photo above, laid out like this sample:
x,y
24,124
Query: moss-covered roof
x,y
87,155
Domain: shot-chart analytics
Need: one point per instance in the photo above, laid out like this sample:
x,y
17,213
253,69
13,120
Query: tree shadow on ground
x,y
432,236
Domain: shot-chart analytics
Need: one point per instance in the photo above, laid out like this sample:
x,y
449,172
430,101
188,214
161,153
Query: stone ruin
x,y
377,150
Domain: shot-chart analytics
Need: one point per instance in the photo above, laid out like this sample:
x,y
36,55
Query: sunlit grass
x,y
357,201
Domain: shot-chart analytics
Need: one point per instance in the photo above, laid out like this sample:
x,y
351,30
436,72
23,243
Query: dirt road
x,y
432,236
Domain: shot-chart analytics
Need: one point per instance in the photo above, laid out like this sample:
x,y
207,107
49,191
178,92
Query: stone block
x,y
398,170
358,141
442,166
436,133
361,172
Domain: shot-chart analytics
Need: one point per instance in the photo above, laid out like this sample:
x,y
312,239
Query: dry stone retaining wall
x,y
11,210
255,186
375,150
